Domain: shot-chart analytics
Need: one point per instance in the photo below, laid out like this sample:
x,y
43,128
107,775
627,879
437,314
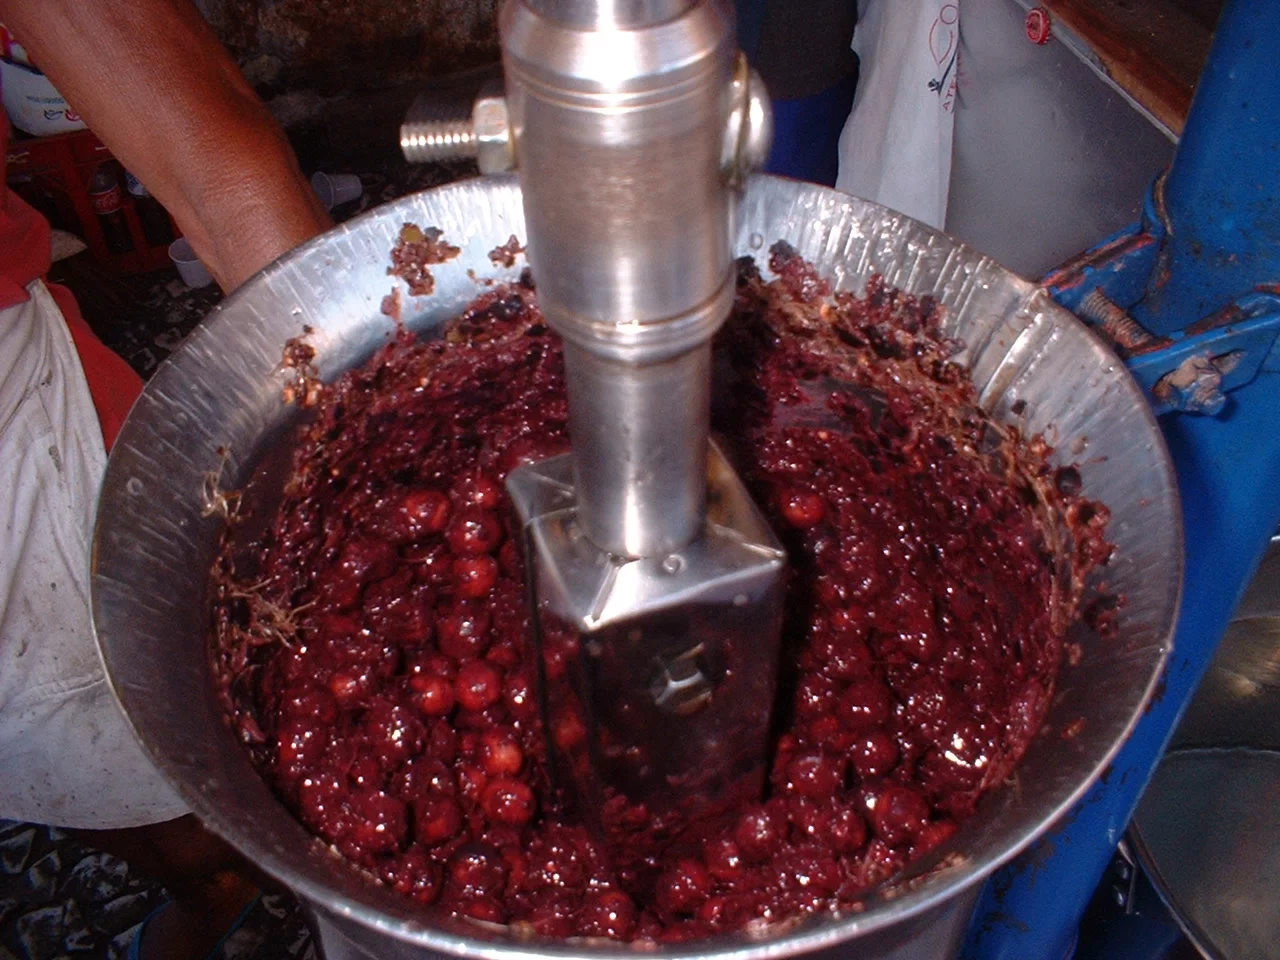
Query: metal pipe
x,y
610,14
621,138
641,477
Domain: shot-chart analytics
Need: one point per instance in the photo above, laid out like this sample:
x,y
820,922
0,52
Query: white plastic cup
x,y
190,269
335,189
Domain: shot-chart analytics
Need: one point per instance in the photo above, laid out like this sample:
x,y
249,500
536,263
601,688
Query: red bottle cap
x,y
1038,27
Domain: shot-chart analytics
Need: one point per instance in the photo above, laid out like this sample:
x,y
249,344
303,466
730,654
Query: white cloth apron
x,y
896,146
67,756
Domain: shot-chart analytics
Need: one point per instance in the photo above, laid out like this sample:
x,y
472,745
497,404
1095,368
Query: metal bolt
x,y
485,137
433,141
495,150
681,686
1114,320
1194,387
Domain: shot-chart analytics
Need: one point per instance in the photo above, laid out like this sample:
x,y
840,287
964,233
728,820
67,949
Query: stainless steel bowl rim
x,y
187,414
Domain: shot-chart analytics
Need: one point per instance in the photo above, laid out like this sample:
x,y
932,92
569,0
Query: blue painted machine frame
x,y
1190,295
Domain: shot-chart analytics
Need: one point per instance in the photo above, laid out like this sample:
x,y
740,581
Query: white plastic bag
x,y
896,146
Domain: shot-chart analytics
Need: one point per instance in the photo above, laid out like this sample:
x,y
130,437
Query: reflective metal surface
x,y
665,700
632,248
620,140
1208,828
216,404
610,14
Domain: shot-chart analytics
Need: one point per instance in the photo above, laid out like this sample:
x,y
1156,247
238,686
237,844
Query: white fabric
x,y
896,146
67,756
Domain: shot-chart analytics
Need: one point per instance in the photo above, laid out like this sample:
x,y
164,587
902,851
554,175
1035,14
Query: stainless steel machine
x,y
633,128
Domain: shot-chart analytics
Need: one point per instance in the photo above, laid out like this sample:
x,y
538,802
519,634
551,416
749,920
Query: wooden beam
x,y
1154,49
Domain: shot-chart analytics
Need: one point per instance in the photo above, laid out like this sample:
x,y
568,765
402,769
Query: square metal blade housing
x,y
658,674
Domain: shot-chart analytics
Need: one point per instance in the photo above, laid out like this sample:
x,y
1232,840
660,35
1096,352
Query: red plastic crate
x,y
58,169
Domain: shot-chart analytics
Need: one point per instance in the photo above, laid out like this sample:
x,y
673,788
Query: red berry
x,y
827,731
322,802
423,776
363,561
934,833
442,741
723,858
519,696
435,696
393,733
464,631
507,800
415,876
478,491
478,869
478,686
366,772
301,745
847,831
474,532
474,577
917,639
313,703
960,760
471,783
759,833
381,822
848,660
874,753
809,818
436,818
815,695
683,886
899,814
510,560
500,755
865,705
803,508
608,913
814,774
567,729
417,514
809,870
552,912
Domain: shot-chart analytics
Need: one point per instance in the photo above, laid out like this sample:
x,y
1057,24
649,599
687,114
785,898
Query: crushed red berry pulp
x,y
372,642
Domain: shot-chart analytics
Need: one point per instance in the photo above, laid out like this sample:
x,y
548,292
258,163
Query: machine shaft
x,y
657,585
620,113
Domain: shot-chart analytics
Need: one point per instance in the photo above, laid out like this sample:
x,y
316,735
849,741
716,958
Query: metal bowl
x,y
216,405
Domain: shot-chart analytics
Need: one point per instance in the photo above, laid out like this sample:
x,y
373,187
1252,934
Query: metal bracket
x,y
1191,370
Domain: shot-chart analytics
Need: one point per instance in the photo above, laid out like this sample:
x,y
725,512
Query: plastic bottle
x,y
107,202
154,218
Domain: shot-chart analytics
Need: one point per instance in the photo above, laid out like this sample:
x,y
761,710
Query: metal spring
x,y
1114,320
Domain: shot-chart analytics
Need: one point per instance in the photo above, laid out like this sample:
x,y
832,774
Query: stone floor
x,y
60,900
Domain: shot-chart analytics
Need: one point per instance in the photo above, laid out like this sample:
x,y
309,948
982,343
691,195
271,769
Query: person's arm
x,y
157,87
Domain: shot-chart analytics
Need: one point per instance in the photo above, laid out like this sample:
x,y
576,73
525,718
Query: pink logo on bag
x,y
944,46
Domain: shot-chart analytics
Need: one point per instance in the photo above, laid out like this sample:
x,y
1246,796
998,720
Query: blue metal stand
x,y
1191,296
